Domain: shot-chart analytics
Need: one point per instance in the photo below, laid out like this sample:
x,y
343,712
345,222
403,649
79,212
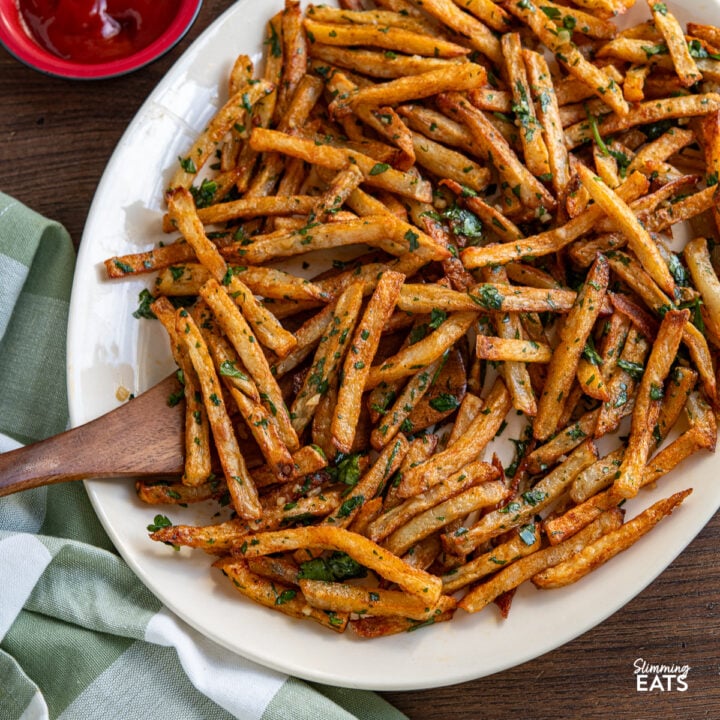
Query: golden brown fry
x,y
638,237
525,542
553,240
422,353
237,107
573,336
472,474
647,402
506,349
197,468
414,87
521,510
600,551
367,553
529,566
377,174
268,330
529,190
240,335
669,27
535,150
328,357
390,38
644,113
476,33
480,432
435,518
358,359
240,483
276,596
371,601
548,111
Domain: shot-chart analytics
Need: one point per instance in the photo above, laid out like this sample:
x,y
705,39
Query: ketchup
x,y
96,31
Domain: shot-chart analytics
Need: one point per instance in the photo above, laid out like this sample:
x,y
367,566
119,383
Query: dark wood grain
x,y
55,139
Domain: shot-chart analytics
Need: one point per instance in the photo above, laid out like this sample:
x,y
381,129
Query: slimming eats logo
x,y
665,678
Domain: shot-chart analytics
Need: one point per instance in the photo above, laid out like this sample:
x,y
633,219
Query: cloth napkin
x,y
80,635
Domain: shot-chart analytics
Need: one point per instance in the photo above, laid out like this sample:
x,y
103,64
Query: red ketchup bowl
x,y
93,39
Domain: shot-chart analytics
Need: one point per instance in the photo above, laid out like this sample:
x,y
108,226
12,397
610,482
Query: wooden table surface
x,y
56,137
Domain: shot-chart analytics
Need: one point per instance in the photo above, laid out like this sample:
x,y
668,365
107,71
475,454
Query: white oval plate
x,y
108,349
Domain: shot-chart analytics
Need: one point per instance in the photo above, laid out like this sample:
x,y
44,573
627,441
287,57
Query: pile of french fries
x,y
415,223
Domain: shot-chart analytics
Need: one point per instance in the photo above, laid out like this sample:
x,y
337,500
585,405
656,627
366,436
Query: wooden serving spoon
x,y
142,439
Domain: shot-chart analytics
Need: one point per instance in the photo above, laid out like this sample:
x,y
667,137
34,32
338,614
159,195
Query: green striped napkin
x,y
80,636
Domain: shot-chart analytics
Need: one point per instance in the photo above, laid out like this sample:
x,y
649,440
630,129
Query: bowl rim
x,y
23,47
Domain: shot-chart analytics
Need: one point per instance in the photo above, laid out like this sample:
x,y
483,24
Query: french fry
x,y
574,334
449,78
371,601
479,433
269,331
422,353
328,357
521,510
237,107
276,596
477,33
669,27
521,544
358,360
697,257
647,403
549,117
367,553
606,547
418,298
371,483
643,113
507,349
638,238
242,339
435,518
535,150
549,241
389,37
240,483
447,163
472,474
382,65
530,191
527,567
198,466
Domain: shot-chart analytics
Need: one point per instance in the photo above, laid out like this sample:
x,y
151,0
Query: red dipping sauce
x,y
97,31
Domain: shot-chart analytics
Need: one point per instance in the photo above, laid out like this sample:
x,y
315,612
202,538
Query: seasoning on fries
x,y
428,221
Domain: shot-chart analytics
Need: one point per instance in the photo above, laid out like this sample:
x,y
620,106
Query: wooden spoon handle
x,y
142,438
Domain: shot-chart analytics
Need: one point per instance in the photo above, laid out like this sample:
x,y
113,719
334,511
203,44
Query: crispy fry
x,y
647,403
638,238
276,596
242,339
600,551
521,510
367,553
530,191
531,565
242,489
453,77
358,360
371,601
479,433
574,334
